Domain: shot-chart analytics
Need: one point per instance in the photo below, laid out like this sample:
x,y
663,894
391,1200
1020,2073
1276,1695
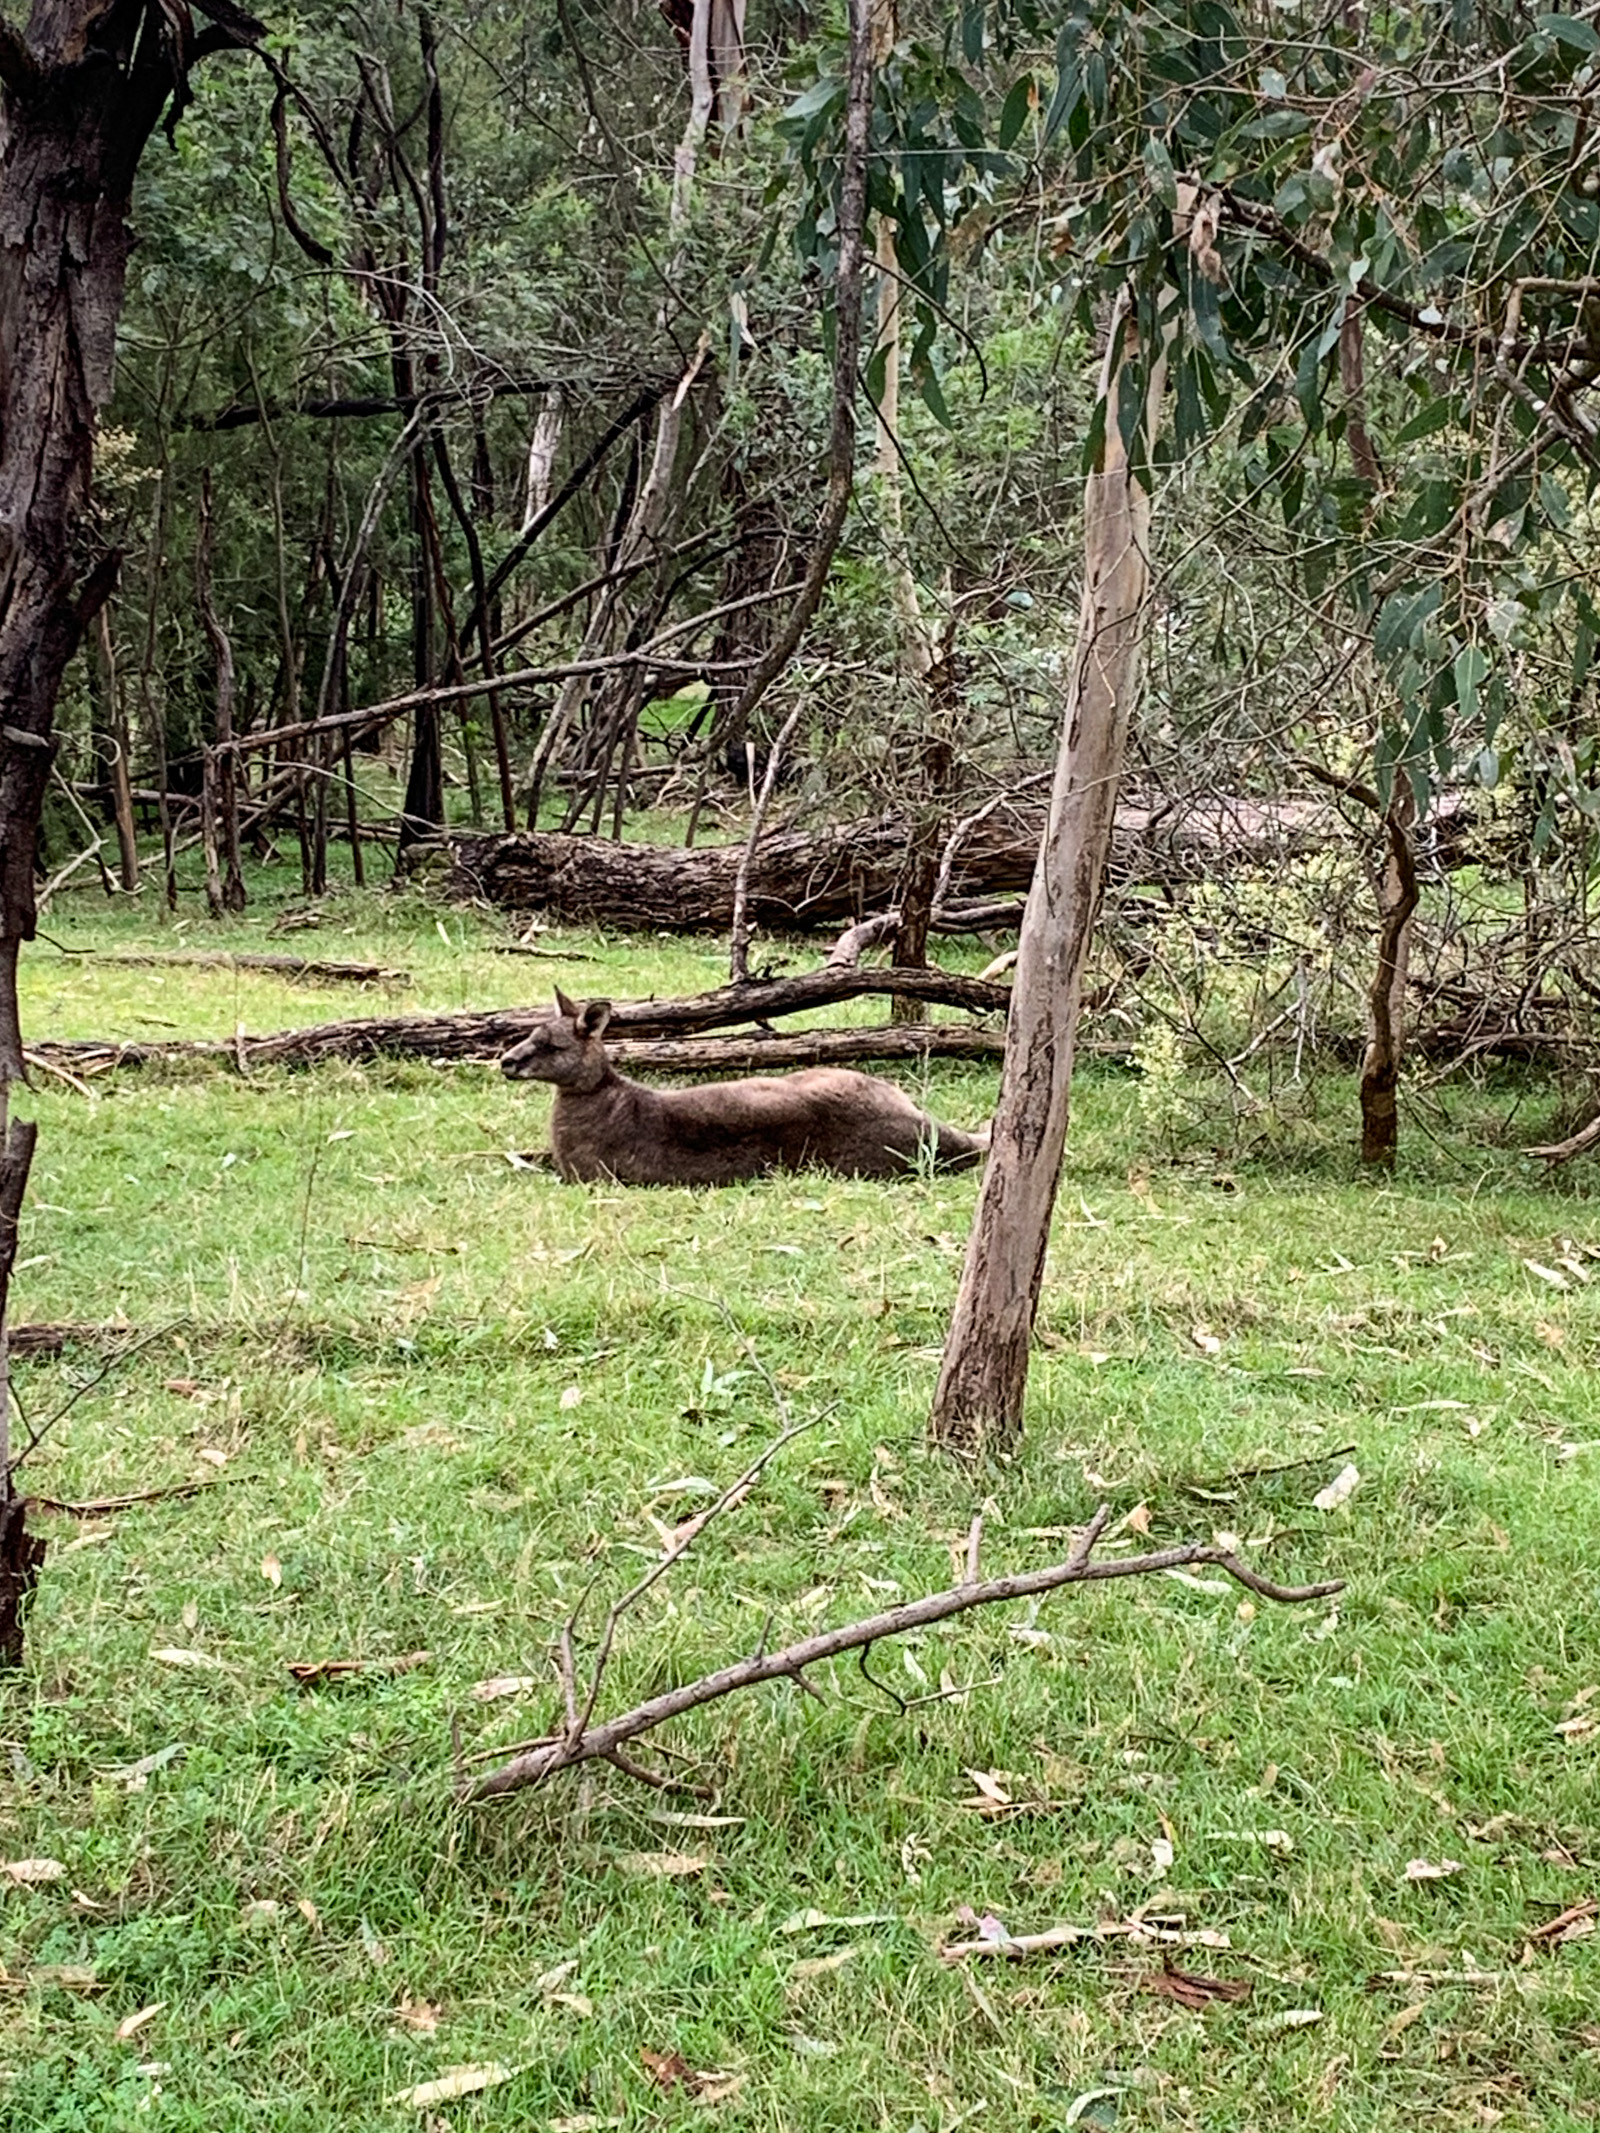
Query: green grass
x,y
439,1395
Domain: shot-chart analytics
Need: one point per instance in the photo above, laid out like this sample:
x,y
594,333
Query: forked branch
x,y
585,1742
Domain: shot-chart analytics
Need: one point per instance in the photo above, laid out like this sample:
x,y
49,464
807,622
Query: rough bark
x,y
1386,997
82,88
978,1401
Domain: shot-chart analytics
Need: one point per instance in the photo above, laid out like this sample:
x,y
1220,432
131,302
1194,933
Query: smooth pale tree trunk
x,y
978,1403
1386,997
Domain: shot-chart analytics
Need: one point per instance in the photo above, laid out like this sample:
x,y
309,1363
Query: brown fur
x,y
824,1118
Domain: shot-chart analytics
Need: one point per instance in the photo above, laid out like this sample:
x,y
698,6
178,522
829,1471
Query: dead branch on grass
x,y
582,1741
287,966
1576,1144
485,1035
102,1506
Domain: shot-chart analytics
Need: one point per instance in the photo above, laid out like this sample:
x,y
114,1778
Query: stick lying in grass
x,y
583,1741
285,966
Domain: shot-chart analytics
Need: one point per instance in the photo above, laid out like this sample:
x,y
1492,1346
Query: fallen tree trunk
x,y
807,1047
487,1034
801,879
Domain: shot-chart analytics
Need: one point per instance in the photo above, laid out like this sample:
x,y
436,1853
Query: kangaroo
x,y
825,1118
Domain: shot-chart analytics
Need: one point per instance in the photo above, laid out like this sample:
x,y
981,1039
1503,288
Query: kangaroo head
x,y
565,1047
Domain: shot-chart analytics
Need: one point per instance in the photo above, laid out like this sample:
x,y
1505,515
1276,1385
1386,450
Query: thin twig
x,y
37,1436
735,1493
739,953
1260,1473
101,1506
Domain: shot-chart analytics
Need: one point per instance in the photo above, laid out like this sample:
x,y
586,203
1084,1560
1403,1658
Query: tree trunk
x,y
82,89
1386,997
119,773
21,1555
219,796
978,1403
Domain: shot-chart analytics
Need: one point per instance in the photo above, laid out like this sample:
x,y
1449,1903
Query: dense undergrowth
x,y
436,1396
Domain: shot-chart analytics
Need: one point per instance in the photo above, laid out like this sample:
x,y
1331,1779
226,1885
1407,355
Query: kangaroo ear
x,y
592,1019
568,1007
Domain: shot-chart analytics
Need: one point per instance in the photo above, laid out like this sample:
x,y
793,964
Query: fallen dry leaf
x,y
1576,1922
177,1655
669,2070
30,1873
1190,1990
1205,1340
1339,1490
420,2015
272,1571
664,1865
130,2025
504,1685
1398,2024
454,2082
1432,1869
307,1671
821,1965
260,1911
991,1784
1547,1274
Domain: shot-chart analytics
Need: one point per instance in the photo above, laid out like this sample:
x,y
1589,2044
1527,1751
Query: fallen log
x,y
806,1047
287,966
800,879
485,1035
45,1338
1575,1144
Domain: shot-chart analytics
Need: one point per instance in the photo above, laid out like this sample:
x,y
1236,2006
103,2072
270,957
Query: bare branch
x,y
739,952
734,1494
600,1742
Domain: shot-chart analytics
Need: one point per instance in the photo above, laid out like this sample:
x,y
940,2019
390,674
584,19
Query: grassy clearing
x,y
439,1395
